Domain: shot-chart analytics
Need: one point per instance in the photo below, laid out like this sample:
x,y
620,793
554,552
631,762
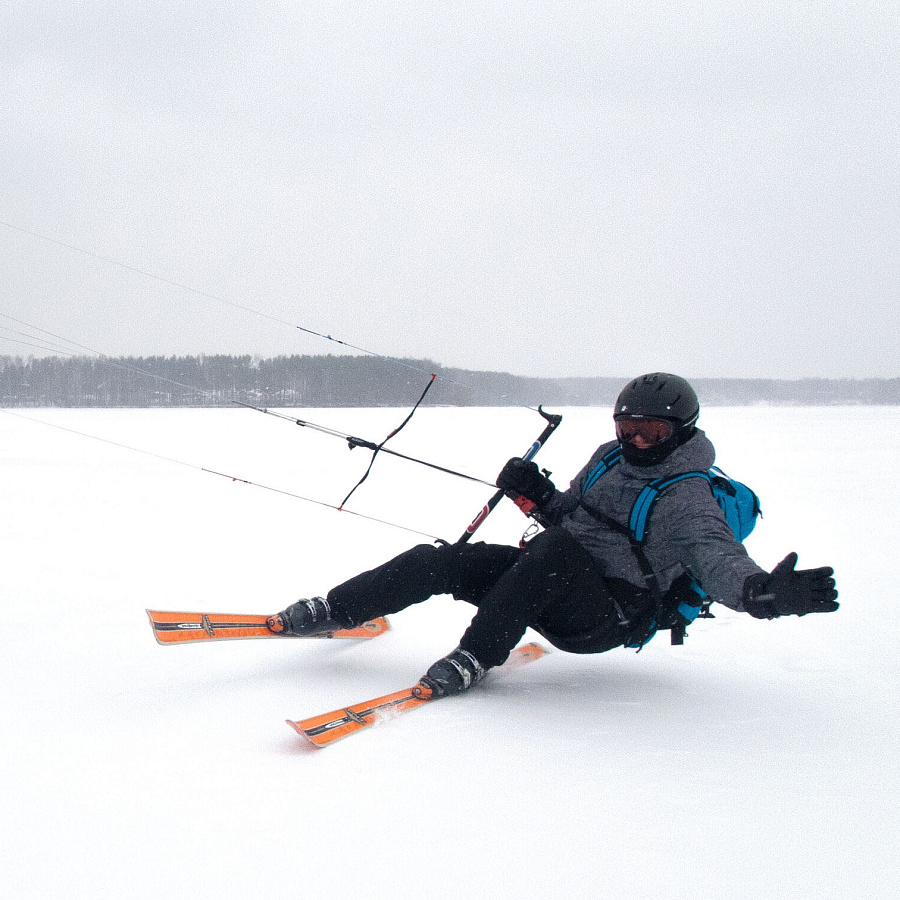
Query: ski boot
x,y
452,674
304,618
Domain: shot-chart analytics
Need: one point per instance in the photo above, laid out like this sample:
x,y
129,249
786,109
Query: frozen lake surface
x,y
759,760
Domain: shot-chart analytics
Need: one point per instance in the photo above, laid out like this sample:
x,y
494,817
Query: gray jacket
x,y
687,531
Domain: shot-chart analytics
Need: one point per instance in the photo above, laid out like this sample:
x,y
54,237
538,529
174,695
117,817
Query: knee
x,y
440,563
548,544
421,552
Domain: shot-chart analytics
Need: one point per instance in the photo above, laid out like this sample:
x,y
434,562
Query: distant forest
x,y
347,381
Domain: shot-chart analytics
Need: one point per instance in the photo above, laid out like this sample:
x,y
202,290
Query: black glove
x,y
522,477
787,592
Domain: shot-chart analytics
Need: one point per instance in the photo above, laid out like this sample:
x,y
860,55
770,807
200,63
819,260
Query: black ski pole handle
x,y
553,421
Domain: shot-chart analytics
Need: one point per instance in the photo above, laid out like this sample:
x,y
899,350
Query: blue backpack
x,y
737,501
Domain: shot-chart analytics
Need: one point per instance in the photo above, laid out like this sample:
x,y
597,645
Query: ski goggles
x,y
650,431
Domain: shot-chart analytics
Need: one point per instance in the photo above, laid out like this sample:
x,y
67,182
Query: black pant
x,y
552,584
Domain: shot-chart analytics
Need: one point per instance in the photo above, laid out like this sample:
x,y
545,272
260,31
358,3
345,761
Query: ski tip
x,y
298,727
152,615
377,626
530,652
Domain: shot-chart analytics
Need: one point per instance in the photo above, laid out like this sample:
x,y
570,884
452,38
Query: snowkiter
x,y
582,582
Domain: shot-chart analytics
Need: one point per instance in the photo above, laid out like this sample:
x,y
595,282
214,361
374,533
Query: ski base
x,y
190,627
330,727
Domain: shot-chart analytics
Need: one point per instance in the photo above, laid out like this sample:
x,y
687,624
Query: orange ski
x,y
326,729
188,627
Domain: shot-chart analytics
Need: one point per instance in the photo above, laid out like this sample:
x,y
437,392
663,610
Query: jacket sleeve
x,y
688,527
564,502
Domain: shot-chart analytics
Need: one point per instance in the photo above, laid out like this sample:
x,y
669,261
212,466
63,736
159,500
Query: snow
x,y
759,760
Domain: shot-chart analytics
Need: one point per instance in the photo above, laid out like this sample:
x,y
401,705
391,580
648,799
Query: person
x,y
581,582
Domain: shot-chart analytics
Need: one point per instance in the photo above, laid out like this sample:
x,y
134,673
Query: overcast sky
x,y
558,188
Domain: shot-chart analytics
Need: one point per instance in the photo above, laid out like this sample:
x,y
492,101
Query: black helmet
x,y
657,396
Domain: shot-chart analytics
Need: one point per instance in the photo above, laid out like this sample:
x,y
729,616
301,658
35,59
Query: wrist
x,y
757,601
545,493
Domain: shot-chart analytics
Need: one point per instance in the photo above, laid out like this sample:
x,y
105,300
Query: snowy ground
x,y
759,760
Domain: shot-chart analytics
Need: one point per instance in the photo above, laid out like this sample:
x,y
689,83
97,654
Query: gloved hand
x,y
522,477
790,592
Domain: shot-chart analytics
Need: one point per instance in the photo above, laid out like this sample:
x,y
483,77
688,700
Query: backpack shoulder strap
x,y
640,512
663,616
606,463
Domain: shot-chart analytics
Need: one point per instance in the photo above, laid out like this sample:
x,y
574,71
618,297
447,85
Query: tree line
x,y
359,381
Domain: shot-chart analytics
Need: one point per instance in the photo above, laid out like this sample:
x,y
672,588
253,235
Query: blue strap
x,y
647,497
688,611
602,467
